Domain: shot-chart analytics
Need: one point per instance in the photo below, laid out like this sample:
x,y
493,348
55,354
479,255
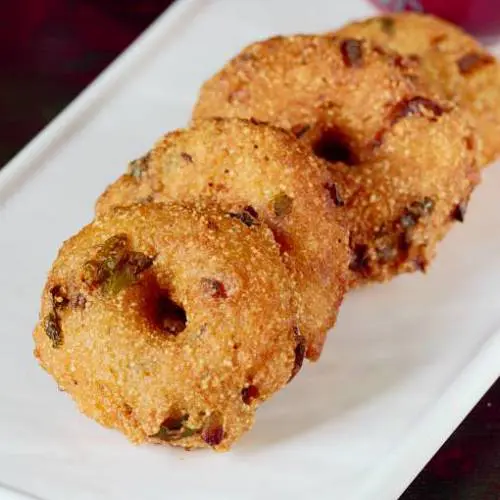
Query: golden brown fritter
x,y
171,324
258,173
401,205
304,81
409,158
454,63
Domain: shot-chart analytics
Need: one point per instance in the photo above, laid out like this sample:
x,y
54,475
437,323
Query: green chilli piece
x,y
173,429
137,167
388,25
52,327
282,204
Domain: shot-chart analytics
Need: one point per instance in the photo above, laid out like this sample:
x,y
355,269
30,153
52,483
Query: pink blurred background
x,y
480,17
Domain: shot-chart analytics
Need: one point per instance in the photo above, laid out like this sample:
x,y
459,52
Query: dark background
x,y
51,49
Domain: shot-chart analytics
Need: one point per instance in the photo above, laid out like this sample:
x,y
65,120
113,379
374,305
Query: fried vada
x,y
260,175
405,159
171,324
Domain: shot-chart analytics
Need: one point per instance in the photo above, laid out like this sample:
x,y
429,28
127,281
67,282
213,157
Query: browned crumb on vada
x,y
260,175
171,324
405,158
455,65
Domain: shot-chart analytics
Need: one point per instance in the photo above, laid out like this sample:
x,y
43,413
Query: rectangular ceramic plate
x,y
405,364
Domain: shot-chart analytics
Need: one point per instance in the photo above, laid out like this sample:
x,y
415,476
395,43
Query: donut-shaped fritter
x,y
171,324
259,174
454,63
409,160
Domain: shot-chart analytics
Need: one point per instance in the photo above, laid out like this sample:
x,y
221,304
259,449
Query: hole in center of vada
x,y
170,316
333,148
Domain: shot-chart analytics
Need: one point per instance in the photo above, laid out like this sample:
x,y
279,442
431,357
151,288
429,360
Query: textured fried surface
x,y
369,108
112,338
300,81
455,64
258,173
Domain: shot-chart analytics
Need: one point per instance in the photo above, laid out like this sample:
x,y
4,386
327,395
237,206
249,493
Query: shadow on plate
x,y
388,334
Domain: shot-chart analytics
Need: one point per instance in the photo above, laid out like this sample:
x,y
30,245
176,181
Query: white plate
x,y
403,367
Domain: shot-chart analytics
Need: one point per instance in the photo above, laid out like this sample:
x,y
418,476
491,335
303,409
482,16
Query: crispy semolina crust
x,y
263,175
111,336
456,65
406,159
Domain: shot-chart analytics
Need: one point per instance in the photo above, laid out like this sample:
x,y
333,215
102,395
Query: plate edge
x,y
24,163
473,380
16,171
